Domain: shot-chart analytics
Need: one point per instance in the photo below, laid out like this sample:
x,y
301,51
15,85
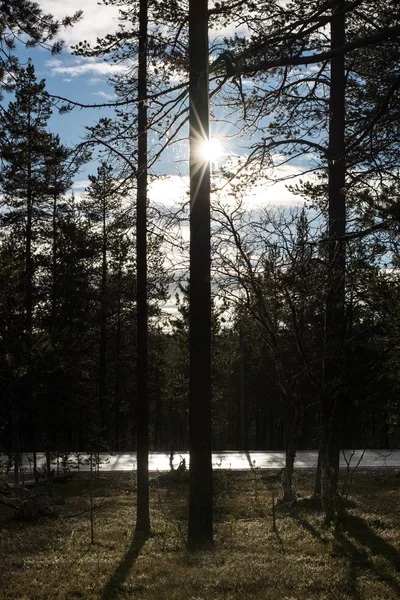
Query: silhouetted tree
x,y
200,532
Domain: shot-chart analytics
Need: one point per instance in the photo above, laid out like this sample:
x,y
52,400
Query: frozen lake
x,y
235,460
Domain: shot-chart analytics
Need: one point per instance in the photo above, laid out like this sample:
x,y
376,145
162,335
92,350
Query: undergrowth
x,y
53,559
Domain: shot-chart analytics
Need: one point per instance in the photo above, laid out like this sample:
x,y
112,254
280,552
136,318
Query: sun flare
x,y
212,150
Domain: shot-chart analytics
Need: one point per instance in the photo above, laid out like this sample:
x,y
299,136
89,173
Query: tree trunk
x,y
52,393
291,427
158,422
48,463
143,515
288,491
14,414
117,386
29,268
200,530
53,316
103,324
331,406
241,393
317,484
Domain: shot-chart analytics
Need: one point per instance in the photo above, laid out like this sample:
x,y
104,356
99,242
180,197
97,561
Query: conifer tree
x,y
102,206
143,509
305,104
25,20
200,529
37,170
26,146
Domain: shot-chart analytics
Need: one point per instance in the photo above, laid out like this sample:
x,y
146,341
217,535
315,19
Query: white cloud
x,y
98,19
169,191
271,191
108,97
76,68
81,185
53,63
276,195
172,190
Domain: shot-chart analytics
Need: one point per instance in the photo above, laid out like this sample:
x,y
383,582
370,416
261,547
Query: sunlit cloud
x,y
169,191
108,97
80,185
173,190
98,19
276,195
77,68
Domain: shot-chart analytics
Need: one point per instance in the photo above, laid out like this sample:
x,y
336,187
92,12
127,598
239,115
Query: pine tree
x,y
26,148
60,169
143,509
305,106
25,20
200,529
102,207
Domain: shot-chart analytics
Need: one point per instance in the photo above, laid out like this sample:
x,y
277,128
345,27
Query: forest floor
x,y
51,558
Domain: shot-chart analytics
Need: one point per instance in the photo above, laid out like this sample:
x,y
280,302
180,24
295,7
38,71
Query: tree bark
x,y
291,426
117,386
290,455
143,514
103,321
317,484
29,269
53,316
14,415
331,406
241,393
200,530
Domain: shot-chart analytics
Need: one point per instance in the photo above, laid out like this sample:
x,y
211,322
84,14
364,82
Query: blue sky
x,y
85,80
80,79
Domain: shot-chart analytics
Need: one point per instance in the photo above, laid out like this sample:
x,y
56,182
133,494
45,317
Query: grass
x,y
52,558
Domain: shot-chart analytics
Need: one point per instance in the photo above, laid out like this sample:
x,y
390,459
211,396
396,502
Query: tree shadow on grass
x,y
360,561
359,530
121,573
308,505
368,544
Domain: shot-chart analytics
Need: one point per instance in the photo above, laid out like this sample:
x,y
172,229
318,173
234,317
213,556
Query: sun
x,y
212,150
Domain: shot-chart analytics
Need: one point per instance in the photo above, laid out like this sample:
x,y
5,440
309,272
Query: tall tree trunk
x,y
53,316
14,417
200,530
52,396
317,484
241,393
103,323
331,408
291,428
271,423
29,268
158,422
117,386
143,514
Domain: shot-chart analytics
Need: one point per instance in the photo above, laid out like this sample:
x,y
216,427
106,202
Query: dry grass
x,y
52,559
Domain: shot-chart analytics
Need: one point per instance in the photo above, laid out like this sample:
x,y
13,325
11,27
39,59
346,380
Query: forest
x,y
226,317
